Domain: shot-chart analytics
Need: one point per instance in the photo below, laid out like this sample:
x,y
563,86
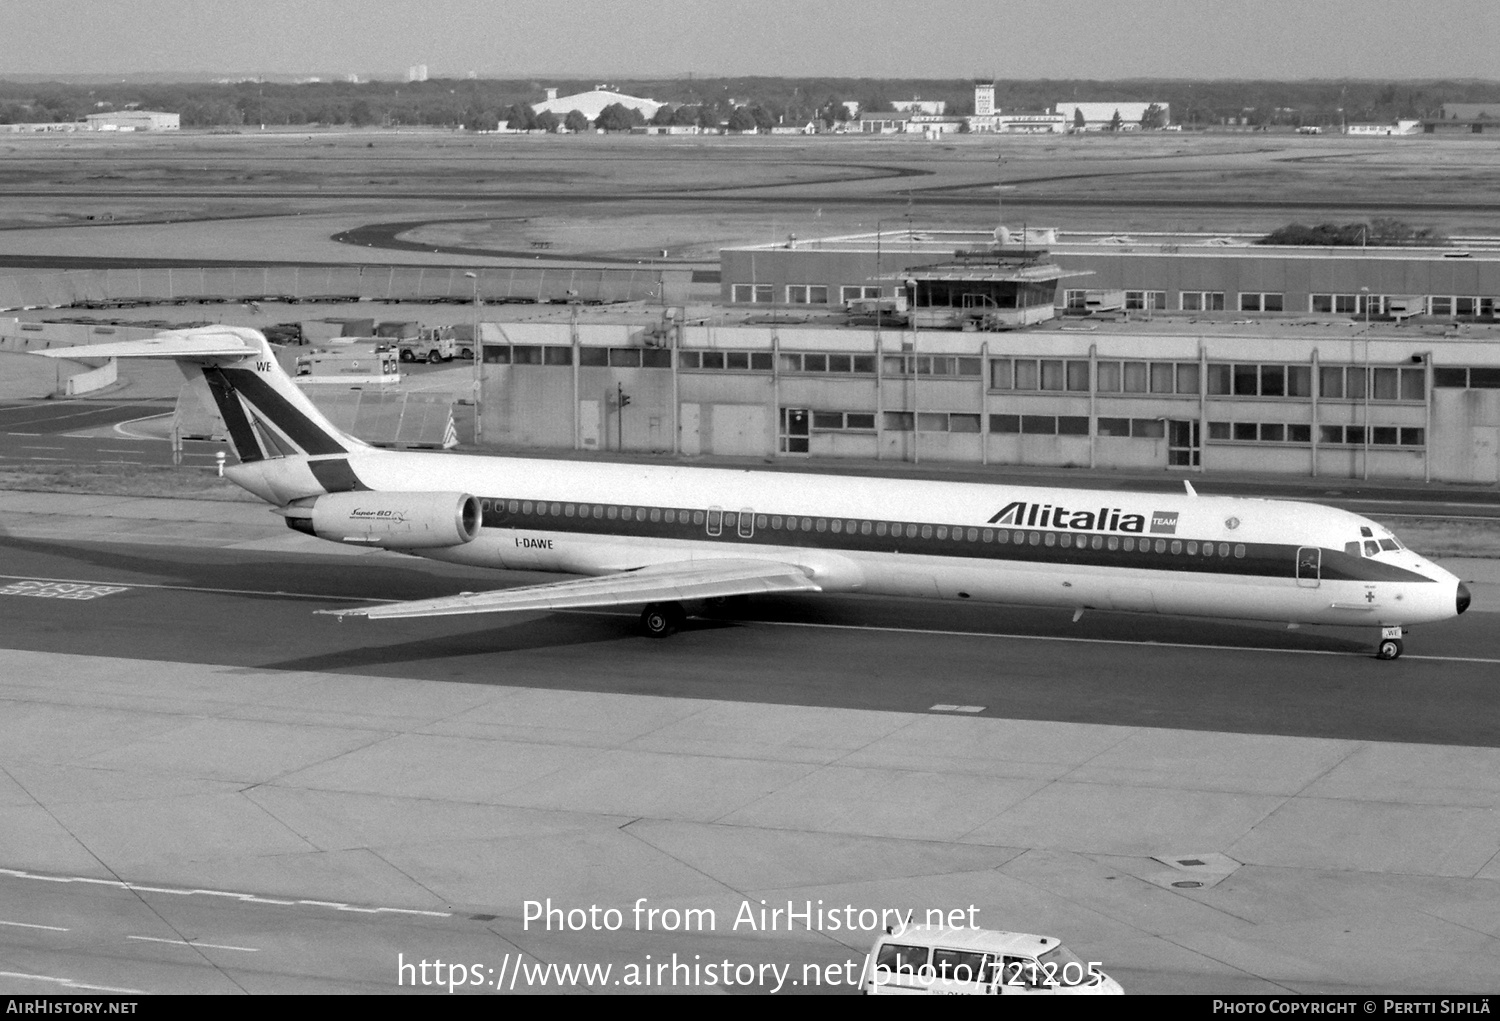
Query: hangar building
x,y
134,120
1099,116
593,102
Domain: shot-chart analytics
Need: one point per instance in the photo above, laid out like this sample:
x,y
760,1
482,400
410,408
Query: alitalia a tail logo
x,y
1021,514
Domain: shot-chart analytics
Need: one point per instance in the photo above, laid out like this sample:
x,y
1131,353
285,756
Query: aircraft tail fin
x,y
267,414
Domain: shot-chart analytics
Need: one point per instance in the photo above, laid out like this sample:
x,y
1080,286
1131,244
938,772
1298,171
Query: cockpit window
x,y
1389,544
1364,530
1352,548
1371,547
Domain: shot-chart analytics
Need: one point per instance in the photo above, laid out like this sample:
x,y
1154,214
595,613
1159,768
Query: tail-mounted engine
x,y
389,520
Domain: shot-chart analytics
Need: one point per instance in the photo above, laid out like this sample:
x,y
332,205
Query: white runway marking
x,y
120,427
30,925
59,590
211,591
956,709
247,898
69,983
194,943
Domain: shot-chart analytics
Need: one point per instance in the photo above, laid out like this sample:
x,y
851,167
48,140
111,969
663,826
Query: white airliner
x,y
669,536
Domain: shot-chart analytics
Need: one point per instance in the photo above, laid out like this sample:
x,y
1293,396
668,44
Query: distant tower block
x,y
984,99
551,95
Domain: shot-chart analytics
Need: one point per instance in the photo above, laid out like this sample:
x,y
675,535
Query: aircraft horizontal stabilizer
x,y
206,344
708,579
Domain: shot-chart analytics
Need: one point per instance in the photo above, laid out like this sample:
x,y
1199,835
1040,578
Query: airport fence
x,y
391,419
385,419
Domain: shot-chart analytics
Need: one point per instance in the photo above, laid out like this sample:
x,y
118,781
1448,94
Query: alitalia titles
x,y
1021,514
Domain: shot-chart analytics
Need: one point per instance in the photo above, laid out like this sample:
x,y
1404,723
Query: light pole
x,y
999,195
1369,382
477,349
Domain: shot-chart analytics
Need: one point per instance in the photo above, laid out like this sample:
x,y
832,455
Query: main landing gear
x,y
661,620
1390,646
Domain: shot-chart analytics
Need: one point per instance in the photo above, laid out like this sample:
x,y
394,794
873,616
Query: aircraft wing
x,y
704,579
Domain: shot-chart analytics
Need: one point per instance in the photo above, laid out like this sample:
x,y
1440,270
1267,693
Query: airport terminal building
x,y
1159,273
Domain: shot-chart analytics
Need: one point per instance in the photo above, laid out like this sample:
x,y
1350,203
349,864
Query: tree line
x,y
1381,231
478,103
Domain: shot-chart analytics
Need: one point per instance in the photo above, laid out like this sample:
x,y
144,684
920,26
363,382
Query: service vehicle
x,y
361,361
429,345
942,960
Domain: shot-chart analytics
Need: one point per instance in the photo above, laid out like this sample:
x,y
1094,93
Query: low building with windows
x,y
1315,399
1019,122
1385,130
1169,274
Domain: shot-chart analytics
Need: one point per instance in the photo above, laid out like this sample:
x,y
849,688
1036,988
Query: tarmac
x,y
1321,865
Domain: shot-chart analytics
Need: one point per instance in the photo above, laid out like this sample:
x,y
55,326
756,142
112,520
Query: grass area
x,y
126,480
1445,537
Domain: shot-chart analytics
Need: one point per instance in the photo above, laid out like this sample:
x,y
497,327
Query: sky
x,y
948,39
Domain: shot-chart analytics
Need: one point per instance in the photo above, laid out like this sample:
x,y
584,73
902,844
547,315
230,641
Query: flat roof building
x,y
1168,273
1099,116
134,120
1316,399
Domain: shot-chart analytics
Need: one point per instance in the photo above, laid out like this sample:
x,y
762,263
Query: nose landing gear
x,y
1390,646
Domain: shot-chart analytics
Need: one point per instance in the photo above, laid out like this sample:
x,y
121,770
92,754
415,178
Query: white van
x,y
942,960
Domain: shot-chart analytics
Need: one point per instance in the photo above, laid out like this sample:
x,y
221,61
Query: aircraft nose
x,y
1463,597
